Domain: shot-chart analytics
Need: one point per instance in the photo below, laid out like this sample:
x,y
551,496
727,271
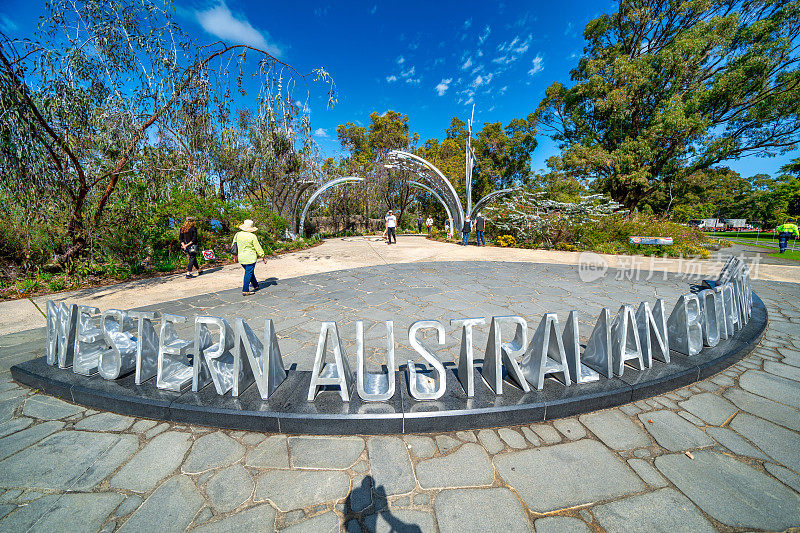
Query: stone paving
x,y
722,454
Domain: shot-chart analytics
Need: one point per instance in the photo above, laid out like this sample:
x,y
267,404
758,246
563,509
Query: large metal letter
x,y
217,357
653,332
174,371
375,387
147,345
263,359
89,342
625,340
722,317
598,350
711,322
579,372
421,386
61,325
502,356
466,372
120,360
337,373
545,354
685,329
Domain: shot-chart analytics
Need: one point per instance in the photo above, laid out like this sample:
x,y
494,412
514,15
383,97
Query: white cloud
x,y
6,24
220,22
485,35
320,132
413,81
482,79
503,90
408,73
467,64
391,78
443,85
400,60
537,65
467,24
480,53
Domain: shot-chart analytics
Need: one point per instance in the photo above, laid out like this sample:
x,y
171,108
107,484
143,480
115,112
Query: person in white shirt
x,y
391,224
429,223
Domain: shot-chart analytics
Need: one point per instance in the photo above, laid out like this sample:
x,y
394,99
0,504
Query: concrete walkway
x,y
350,252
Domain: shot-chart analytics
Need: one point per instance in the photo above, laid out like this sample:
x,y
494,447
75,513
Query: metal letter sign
x,y
545,354
684,325
61,325
625,340
336,373
120,360
89,342
423,387
653,332
579,372
466,375
375,387
598,349
217,357
264,360
147,342
501,357
174,372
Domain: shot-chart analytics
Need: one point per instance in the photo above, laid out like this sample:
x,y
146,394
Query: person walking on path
x,y
248,250
190,245
480,225
429,223
785,230
419,223
447,229
465,231
391,224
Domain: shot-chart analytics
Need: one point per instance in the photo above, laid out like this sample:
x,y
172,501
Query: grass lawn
x,y
789,255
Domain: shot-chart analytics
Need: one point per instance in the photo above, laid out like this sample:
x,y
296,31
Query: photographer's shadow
x,y
361,497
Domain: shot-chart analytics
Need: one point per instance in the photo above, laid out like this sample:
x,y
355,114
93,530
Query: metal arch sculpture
x,y
488,199
325,187
436,195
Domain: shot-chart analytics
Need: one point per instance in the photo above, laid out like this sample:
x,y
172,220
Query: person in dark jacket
x,y
190,245
465,231
480,225
419,223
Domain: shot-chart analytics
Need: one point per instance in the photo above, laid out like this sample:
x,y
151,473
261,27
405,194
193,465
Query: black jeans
x,y
783,240
390,233
192,261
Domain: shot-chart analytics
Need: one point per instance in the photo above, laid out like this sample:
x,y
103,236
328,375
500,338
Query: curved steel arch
x,y
487,199
325,187
436,195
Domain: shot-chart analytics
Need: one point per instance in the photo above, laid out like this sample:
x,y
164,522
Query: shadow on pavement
x,y
363,497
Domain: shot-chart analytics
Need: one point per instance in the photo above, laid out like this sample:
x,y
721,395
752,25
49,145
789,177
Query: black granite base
x,y
287,410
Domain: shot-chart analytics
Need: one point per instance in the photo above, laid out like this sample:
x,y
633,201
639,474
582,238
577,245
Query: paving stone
x,y
402,501
401,520
673,432
63,512
14,425
490,441
140,426
512,438
423,498
10,495
783,370
731,491
560,524
615,429
49,408
390,465
466,436
293,516
546,433
336,453
361,495
779,443
203,516
296,489
229,488
570,427
422,447
214,450
251,439
774,412
469,466
158,459
482,509
176,498
683,393
150,433
711,408
324,522
649,474
775,388
531,436
722,381
629,410
691,418
707,386
271,453
735,443
784,475
76,460
662,510
566,483
128,506
105,422
446,443
360,467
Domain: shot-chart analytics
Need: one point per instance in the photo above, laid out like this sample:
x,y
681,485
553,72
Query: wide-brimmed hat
x,y
247,225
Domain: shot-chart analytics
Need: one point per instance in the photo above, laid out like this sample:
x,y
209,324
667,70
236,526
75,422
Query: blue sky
x,y
429,59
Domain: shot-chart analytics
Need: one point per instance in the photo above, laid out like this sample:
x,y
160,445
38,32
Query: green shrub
x,y
167,265
57,284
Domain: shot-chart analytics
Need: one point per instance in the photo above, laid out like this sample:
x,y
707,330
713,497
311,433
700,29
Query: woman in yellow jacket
x,y
248,250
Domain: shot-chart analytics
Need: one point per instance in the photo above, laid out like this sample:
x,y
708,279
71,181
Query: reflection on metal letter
x,y
336,373
545,354
685,330
217,357
579,372
89,342
174,371
120,360
61,325
711,322
501,357
146,346
653,332
625,340
466,365
375,387
264,360
598,350
423,387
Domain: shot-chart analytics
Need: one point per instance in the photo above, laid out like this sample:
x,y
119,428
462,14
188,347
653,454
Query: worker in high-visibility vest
x,y
785,230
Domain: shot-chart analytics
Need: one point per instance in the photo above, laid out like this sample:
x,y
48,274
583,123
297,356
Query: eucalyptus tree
x,y
669,87
100,78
